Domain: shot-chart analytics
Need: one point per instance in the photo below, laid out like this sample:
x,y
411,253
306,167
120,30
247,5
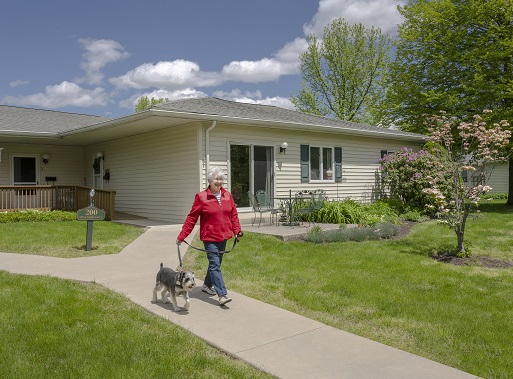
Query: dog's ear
x,y
179,278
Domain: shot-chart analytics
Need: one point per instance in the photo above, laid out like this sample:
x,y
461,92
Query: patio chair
x,y
318,199
303,207
260,209
265,202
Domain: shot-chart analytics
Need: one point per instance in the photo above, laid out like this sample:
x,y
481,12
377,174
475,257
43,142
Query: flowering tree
x,y
479,146
453,173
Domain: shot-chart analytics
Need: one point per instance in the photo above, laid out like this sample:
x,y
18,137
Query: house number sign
x,y
90,214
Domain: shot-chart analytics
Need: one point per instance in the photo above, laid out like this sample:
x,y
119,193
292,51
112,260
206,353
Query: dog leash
x,y
204,251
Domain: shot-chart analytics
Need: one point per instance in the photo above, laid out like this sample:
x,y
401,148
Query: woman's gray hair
x,y
213,173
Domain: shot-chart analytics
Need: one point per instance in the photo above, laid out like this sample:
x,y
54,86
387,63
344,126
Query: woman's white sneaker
x,y
224,299
208,290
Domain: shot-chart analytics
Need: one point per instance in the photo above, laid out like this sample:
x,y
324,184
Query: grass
x,y
389,291
65,239
54,328
393,291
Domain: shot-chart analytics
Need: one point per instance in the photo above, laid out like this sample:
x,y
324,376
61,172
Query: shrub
x,y
495,196
36,215
359,234
415,216
352,212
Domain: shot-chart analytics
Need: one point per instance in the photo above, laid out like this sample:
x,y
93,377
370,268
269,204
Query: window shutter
x,y
305,163
338,164
383,153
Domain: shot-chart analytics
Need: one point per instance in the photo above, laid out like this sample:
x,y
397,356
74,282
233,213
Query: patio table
x,y
289,203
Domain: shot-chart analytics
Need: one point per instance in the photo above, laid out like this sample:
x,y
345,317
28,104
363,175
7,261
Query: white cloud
x,y
377,13
61,95
171,76
253,71
99,53
254,98
17,83
276,101
162,94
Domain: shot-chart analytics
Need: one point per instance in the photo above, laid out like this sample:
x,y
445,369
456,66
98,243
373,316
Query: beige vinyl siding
x,y
499,180
155,175
360,157
65,163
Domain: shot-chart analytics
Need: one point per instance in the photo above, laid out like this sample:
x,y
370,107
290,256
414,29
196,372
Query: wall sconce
x,y
283,147
45,158
99,155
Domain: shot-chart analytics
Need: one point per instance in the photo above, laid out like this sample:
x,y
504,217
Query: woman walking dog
x,y
219,220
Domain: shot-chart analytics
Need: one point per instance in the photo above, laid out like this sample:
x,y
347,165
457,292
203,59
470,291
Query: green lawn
x,y
60,329
65,239
393,291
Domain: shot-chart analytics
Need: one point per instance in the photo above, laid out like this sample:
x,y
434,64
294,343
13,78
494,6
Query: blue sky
x,y
99,57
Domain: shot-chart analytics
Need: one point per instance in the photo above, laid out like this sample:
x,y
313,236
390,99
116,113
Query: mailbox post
x,y
90,214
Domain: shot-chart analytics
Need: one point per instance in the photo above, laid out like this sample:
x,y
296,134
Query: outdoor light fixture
x,y
283,147
45,158
99,155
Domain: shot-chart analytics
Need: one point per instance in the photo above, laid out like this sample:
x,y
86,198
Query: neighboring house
x,y
156,159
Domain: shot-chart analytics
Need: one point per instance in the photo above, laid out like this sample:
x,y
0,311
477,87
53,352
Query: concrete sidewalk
x,y
275,340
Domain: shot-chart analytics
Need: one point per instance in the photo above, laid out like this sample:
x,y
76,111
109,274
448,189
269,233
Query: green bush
x,y
383,230
35,215
415,216
353,212
495,196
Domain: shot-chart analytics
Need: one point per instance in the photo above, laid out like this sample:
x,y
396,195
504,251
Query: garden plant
x,y
434,178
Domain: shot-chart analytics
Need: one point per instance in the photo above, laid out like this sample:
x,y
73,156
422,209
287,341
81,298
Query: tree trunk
x,y
460,233
461,244
509,203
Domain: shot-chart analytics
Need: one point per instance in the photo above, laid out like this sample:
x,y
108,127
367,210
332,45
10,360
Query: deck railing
x,y
71,198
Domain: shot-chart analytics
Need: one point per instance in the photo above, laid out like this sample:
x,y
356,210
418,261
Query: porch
x,y
51,197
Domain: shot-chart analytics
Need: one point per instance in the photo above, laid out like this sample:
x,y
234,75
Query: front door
x,y
25,173
251,169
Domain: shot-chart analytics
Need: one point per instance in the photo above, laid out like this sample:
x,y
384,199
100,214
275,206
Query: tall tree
x,y
344,74
453,55
146,103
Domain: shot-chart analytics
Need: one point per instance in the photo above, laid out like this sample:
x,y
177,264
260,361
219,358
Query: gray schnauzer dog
x,y
176,283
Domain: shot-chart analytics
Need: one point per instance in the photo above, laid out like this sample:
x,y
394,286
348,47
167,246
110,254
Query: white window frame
x,y
322,164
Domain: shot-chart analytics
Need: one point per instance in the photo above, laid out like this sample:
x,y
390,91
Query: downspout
x,y
207,149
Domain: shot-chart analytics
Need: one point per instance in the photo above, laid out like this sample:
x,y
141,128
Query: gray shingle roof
x,y
19,119
220,107
56,124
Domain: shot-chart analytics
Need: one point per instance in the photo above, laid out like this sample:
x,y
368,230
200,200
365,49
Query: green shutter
x,y
305,163
338,164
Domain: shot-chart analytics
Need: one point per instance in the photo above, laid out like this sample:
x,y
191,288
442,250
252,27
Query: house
x,y
156,160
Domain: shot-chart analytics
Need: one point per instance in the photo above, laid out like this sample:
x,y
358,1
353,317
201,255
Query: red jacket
x,y
217,221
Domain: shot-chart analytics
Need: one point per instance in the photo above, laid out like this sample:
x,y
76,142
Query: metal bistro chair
x,y
318,199
265,202
303,209
260,208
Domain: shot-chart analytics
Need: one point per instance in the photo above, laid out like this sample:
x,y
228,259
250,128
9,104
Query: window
x,y
321,163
